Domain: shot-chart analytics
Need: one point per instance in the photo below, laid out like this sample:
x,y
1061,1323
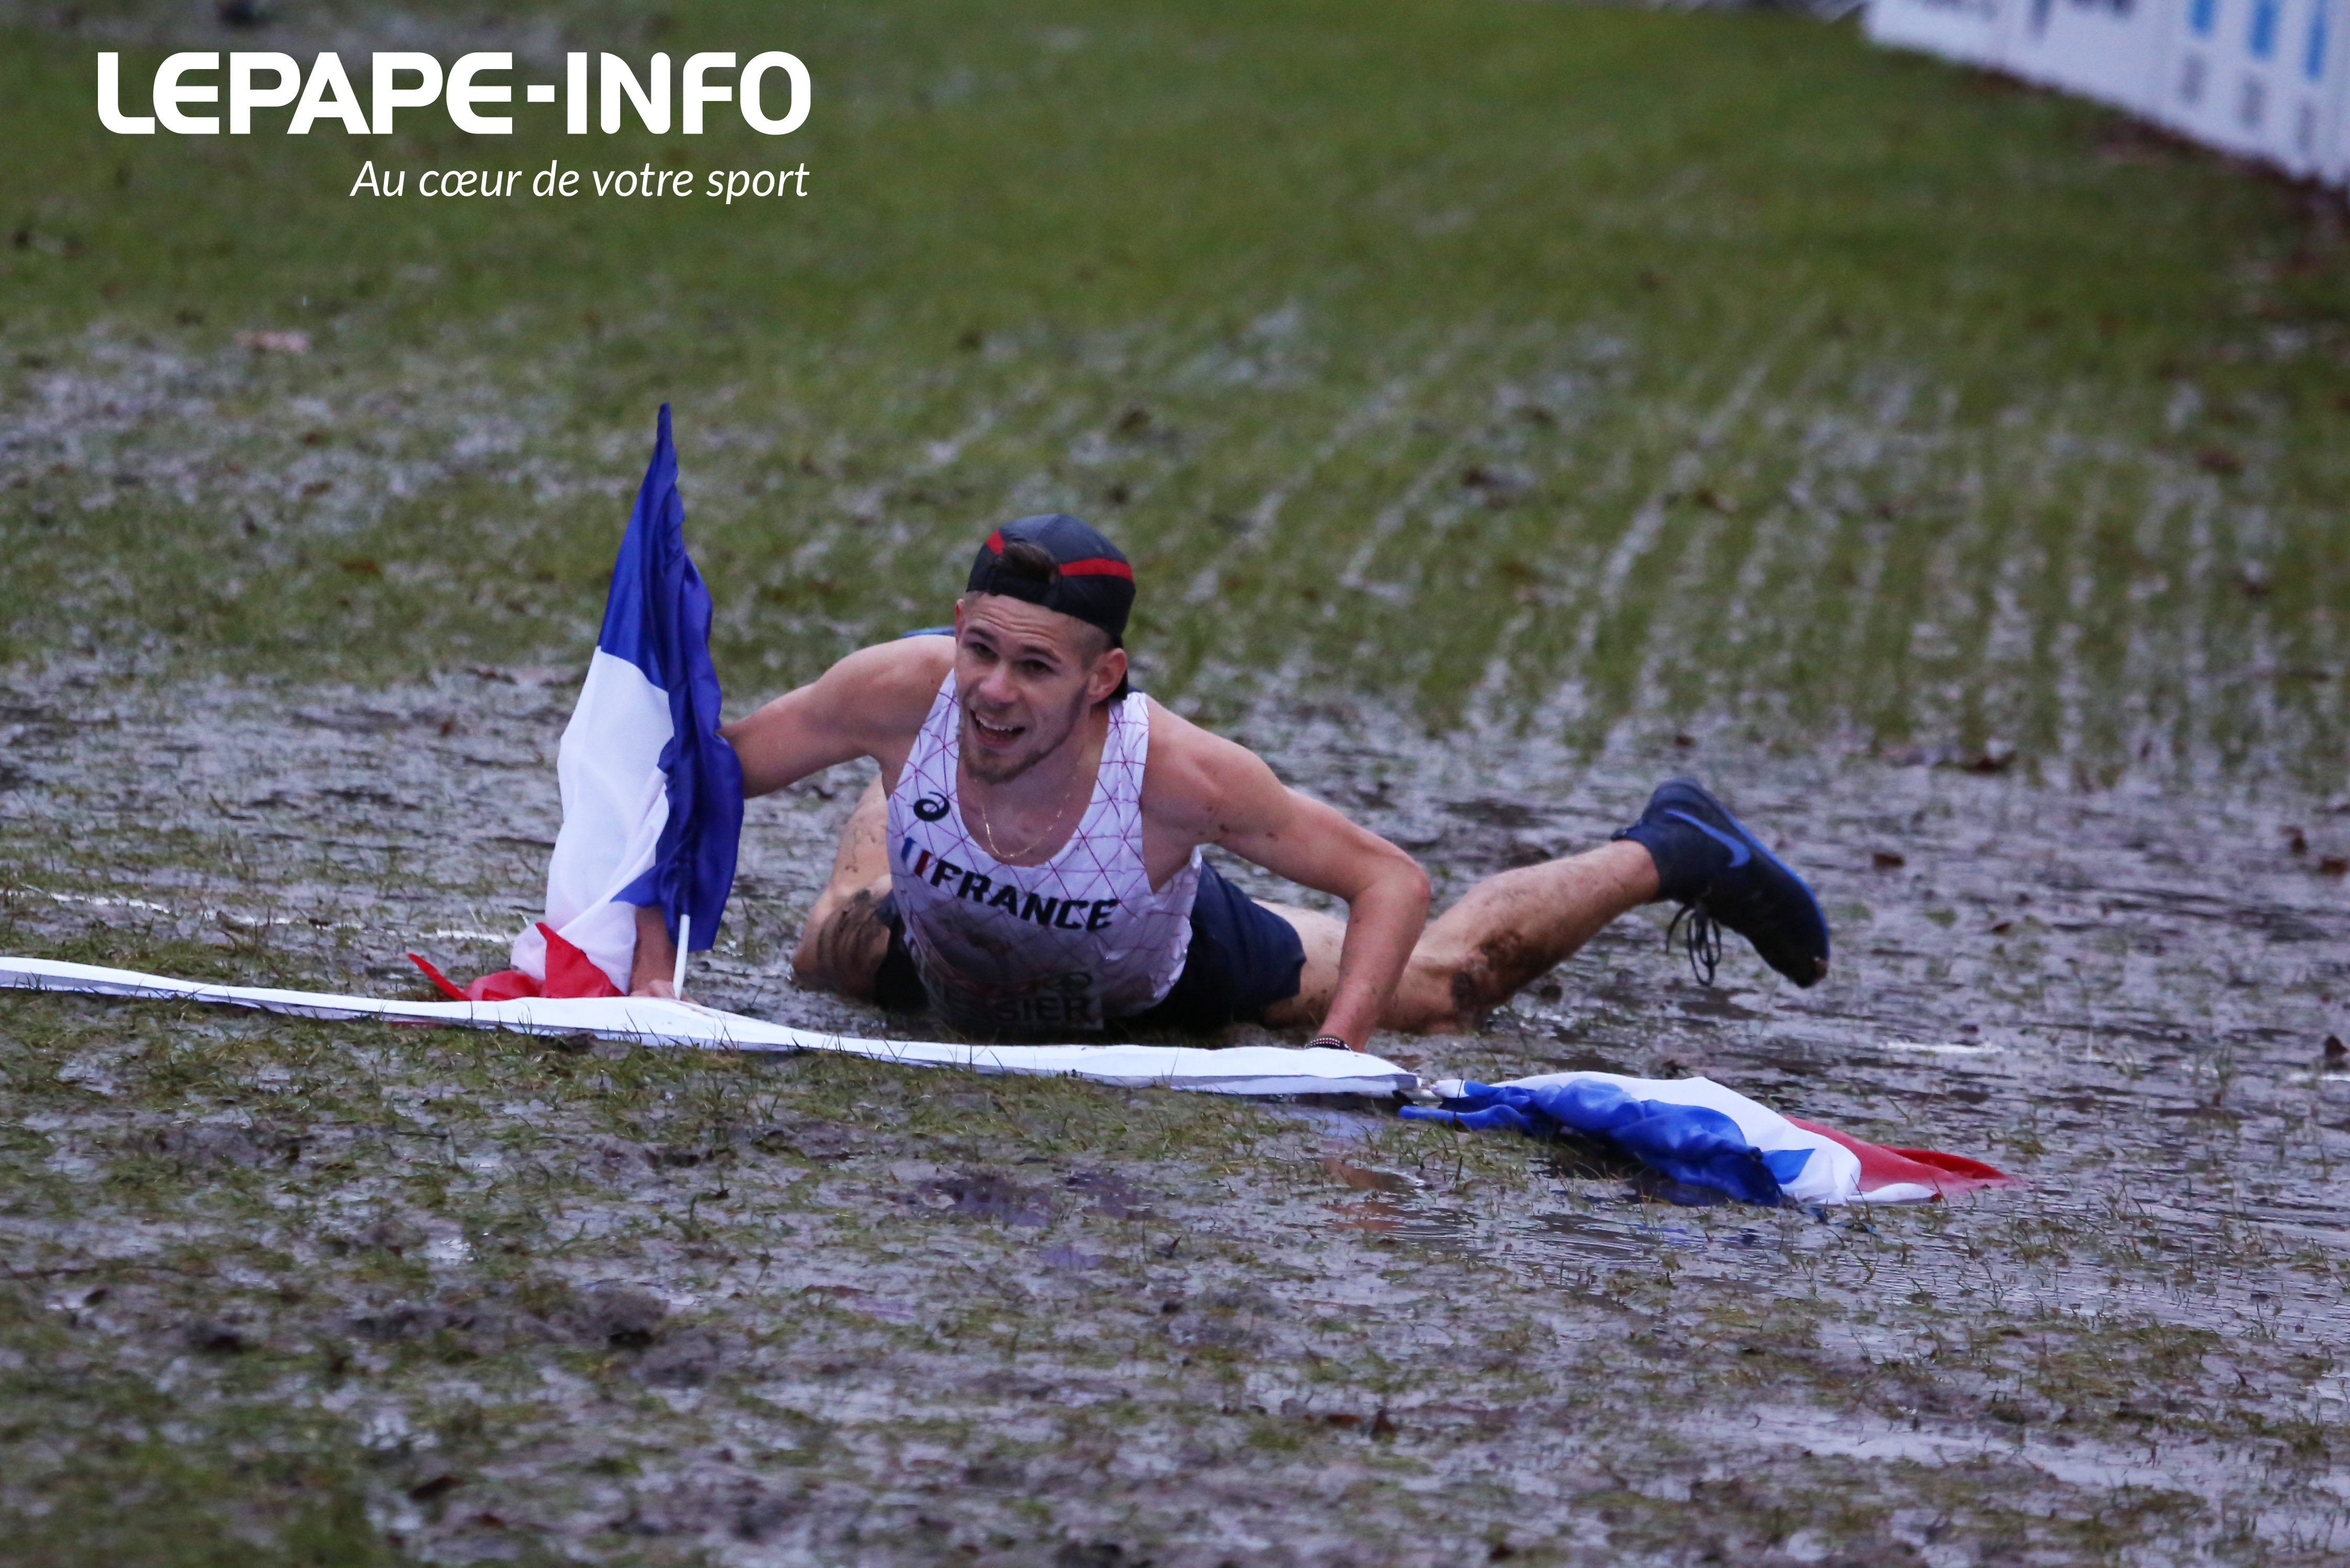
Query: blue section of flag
x,y
658,619
1689,1143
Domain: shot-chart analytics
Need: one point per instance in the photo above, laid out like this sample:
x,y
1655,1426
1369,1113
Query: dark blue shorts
x,y
1243,958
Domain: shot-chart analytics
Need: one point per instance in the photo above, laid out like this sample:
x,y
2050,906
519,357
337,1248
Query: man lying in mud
x,y
1029,861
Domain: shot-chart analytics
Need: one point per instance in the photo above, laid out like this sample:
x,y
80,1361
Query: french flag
x,y
652,796
1700,1134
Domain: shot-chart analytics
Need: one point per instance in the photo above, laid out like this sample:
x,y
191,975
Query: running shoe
x,y
1719,874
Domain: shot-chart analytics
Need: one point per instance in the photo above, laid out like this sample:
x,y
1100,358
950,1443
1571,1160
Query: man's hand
x,y
1220,792
654,972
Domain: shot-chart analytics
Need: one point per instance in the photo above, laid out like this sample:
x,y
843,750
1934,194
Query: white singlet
x,y
1070,944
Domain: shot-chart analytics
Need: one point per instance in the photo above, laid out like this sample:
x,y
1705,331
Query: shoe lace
x,y
1702,943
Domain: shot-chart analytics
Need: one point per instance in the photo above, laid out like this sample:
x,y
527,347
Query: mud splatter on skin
x,y
843,952
877,1315
1495,972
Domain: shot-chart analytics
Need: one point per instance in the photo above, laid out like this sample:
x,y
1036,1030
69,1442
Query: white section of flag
x,y
615,804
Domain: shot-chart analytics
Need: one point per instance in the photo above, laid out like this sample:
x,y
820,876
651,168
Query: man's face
x,y
1025,677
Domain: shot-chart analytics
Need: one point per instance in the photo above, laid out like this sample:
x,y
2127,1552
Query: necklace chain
x,y
988,832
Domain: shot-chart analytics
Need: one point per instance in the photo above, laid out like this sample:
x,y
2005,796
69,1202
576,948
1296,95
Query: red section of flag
x,y
569,972
1883,1166
504,986
448,987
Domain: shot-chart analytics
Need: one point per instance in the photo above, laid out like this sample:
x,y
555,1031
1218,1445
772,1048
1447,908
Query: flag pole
x,y
684,935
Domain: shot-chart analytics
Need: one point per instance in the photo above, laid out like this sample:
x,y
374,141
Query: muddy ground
x,y
280,1290
1486,394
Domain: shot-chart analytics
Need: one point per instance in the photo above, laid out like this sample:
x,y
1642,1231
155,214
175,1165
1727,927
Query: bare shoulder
x,y
1196,781
892,683
871,702
879,695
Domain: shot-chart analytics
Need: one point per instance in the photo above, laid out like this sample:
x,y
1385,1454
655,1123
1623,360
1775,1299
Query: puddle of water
x,y
990,1195
1345,1125
1111,1194
1365,1179
1591,1237
2050,1451
1373,1214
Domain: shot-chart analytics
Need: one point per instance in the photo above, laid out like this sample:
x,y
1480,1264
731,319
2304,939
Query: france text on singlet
x,y
1070,944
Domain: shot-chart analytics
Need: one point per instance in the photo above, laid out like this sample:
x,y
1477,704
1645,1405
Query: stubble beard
x,y
991,768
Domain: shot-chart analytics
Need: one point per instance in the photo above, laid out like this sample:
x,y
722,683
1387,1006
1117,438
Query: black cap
x,y
1089,577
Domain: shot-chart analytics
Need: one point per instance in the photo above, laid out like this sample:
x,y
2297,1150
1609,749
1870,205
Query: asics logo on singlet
x,y
930,807
1739,853
1054,914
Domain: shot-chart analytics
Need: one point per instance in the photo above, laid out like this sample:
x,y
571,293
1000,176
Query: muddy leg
x,y
1505,931
843,942
1510,929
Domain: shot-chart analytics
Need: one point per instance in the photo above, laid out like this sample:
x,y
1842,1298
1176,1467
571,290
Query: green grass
x,y
1572,363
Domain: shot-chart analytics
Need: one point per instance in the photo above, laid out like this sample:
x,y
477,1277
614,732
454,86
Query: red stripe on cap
x,y
995,543
1098,566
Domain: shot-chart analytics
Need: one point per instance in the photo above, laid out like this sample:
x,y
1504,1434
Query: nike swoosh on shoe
x,y
1739,853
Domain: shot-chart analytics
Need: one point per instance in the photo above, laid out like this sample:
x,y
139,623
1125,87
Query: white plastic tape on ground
x,y
1239,1070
